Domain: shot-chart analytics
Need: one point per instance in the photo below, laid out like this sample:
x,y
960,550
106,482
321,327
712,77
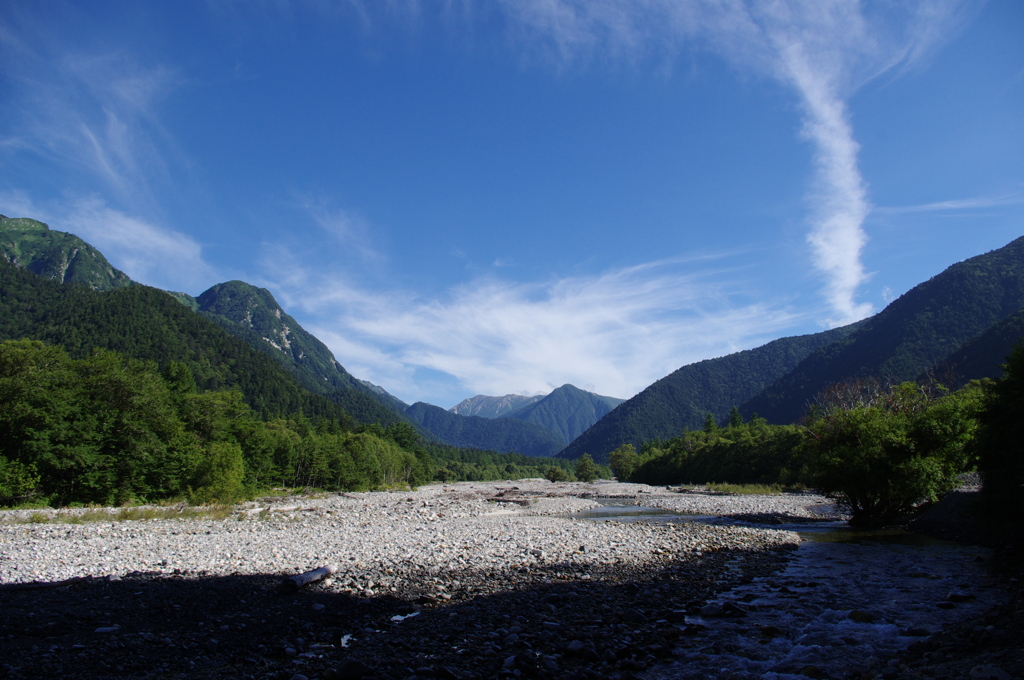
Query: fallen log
x,y
299,580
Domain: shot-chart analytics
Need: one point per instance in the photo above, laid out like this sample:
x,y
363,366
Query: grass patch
x,y
746,489
132,514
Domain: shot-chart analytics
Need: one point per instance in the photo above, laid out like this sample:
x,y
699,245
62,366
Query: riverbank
x,y
464,580
480,580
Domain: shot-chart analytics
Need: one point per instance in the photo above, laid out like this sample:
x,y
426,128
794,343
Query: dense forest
x,y
129,395
107,429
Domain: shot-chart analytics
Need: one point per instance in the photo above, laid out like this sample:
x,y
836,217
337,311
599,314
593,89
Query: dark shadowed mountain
x,y
496,434
685,397
567,411
921,328
983,356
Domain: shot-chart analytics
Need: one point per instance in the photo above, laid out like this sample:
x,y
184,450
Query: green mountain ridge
x,y
145,323
254,315
912,334
56,255
242,310
682,399
568,411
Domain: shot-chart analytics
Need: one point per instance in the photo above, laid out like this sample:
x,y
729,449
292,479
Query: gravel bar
x,y
466,580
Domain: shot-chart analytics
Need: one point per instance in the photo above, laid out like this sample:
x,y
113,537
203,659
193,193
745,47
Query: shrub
x,y
556,474
1001,459
586,469
881,460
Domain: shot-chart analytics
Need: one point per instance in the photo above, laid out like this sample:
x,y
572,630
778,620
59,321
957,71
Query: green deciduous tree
x,y
586,469
624,460
556,474
882,459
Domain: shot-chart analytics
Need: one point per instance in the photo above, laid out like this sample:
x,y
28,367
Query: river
x,y
847,602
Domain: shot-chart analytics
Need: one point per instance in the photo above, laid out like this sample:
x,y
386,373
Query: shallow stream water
x,y
847,601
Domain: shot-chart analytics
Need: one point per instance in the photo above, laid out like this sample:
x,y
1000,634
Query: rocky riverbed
x,y
464,580
467,580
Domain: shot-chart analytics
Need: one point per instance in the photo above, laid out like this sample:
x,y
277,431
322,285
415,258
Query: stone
x,y
634,617
990,673
353,669
711,610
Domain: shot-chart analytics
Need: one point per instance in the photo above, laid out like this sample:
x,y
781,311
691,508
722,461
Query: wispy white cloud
x,y
957,205
618,331
94,112
823,49
149,253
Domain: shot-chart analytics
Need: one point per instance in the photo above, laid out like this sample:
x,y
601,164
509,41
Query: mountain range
x,y
253,315
957,326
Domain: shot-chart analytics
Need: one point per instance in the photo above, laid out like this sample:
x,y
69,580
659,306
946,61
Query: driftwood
x,y
44,584
514,501
300,580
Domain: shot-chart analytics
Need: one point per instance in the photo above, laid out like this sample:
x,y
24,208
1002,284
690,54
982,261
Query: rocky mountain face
x,y
254,315
493,407
567,411
56,255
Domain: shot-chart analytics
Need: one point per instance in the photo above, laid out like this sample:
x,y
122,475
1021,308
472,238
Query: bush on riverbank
x,y
881,459
1000,448
877,452
740,453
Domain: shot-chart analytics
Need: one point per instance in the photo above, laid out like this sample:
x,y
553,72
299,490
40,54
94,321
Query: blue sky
x,y
467,196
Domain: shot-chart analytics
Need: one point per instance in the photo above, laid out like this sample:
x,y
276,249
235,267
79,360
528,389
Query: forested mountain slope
x,y
242,310
56,255
253,314
568,411
982,356
496,434
145,323
683,398
921,328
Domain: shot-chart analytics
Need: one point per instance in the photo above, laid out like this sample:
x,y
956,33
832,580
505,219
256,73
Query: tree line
x,y
107,429
879,451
